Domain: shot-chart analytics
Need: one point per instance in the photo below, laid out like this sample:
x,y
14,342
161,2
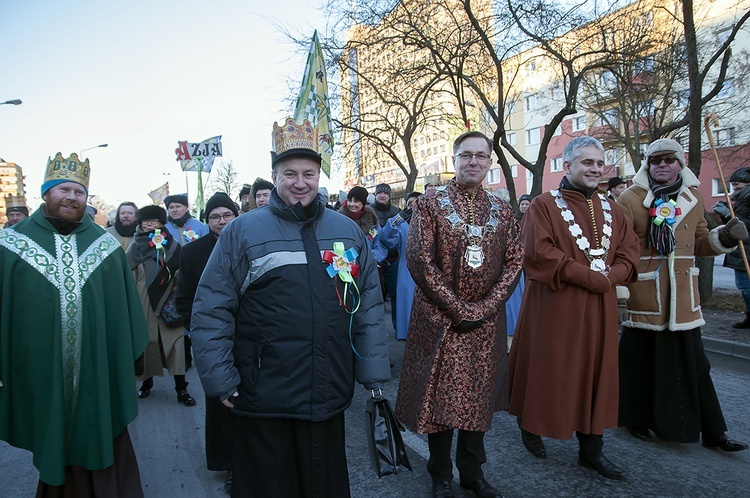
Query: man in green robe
x,y
71,328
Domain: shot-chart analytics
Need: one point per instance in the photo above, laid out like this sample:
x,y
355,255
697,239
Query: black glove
x,y
465,326
405,214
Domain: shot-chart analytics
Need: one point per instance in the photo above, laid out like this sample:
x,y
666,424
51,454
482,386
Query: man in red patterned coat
x,y
464,252
563,360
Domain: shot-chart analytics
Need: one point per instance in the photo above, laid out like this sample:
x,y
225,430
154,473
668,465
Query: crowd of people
x,y
279,302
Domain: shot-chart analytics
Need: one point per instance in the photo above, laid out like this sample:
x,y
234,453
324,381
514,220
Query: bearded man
x,y
125,224
67,355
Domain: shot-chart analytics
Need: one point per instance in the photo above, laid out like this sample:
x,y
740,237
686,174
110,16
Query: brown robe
x,y
451,379
563,361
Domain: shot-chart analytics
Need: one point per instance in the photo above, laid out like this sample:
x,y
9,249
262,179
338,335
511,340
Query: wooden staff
x,y
710,119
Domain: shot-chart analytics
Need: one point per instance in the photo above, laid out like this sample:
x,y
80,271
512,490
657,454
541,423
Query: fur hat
x,y
359,194
220,199
742,175
153,212
246,189
667,146
383,187
178,198
524,197
261,184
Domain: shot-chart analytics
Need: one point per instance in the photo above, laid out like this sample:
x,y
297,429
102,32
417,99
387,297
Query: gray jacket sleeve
x,y
212,324
371,364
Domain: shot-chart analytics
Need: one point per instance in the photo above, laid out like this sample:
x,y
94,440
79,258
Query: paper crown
x,y
15,201
293,139
69,169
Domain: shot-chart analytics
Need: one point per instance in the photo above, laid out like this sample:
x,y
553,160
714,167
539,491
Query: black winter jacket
x,y
741,207
267,320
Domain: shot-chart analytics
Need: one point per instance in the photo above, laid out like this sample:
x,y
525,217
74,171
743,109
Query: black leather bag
x,y
384,442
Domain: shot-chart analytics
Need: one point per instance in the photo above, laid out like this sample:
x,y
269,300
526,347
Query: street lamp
x,y
12,102
80,154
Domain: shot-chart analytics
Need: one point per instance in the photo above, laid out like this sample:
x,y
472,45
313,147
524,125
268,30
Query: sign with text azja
x,y
195,156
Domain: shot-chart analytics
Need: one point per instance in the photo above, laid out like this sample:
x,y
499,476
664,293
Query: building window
x,y
717,189
493,176
644,65
531,67
533,136
514,171
725,137
558,131
682,99
532,102
557,93
579,123
556,165
610,117
442,148
511,138
611,156
529,174
609,80
510,107
727,89
645,109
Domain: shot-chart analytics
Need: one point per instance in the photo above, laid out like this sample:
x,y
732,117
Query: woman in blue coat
x,y
393,236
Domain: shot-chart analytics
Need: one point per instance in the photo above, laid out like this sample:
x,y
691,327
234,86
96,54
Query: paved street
x,y
168,439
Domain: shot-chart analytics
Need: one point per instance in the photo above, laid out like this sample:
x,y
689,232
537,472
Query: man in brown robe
x,y
563,361
464,253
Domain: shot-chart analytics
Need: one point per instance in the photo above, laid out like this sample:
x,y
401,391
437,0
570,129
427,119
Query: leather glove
x,y
465,326
405,214
722,210
622,310
732,232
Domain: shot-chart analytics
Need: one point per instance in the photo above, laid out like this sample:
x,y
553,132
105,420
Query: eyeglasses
x,y
150,222
217,217
466,157
654,161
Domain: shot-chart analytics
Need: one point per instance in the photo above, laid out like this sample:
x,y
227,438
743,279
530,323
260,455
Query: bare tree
x,y
223,179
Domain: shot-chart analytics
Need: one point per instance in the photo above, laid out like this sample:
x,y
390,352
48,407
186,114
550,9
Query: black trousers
x,y
666,386
219,435
470,455
289,458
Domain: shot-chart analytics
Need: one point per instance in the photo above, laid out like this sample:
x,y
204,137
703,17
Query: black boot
x,y
145,389
744,324
532,442
590,455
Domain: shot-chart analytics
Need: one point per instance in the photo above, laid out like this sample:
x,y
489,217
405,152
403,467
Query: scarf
x,y
355,216
566,185
125,230
180,222
159,266
661,237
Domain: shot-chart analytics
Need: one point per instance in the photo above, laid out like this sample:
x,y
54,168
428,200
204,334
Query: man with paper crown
x,y
288,313
15,209
67,357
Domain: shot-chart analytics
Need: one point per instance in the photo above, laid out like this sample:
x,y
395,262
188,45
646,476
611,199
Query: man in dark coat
x,y
273,340
740,181
220,211
389,266
464,252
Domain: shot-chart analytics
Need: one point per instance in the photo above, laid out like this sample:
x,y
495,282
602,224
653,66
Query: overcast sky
x,y
141,75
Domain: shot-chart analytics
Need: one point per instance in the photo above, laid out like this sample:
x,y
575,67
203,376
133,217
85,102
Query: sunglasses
x,y
654,161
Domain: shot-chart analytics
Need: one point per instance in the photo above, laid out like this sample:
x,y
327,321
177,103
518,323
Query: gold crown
x,y
294,136
15,201
70,169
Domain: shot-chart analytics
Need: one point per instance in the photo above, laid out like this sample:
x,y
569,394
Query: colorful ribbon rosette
x,y
190,235
158,240
664,211
342,265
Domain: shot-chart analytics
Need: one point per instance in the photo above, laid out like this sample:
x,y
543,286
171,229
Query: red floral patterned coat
x,y
451,379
